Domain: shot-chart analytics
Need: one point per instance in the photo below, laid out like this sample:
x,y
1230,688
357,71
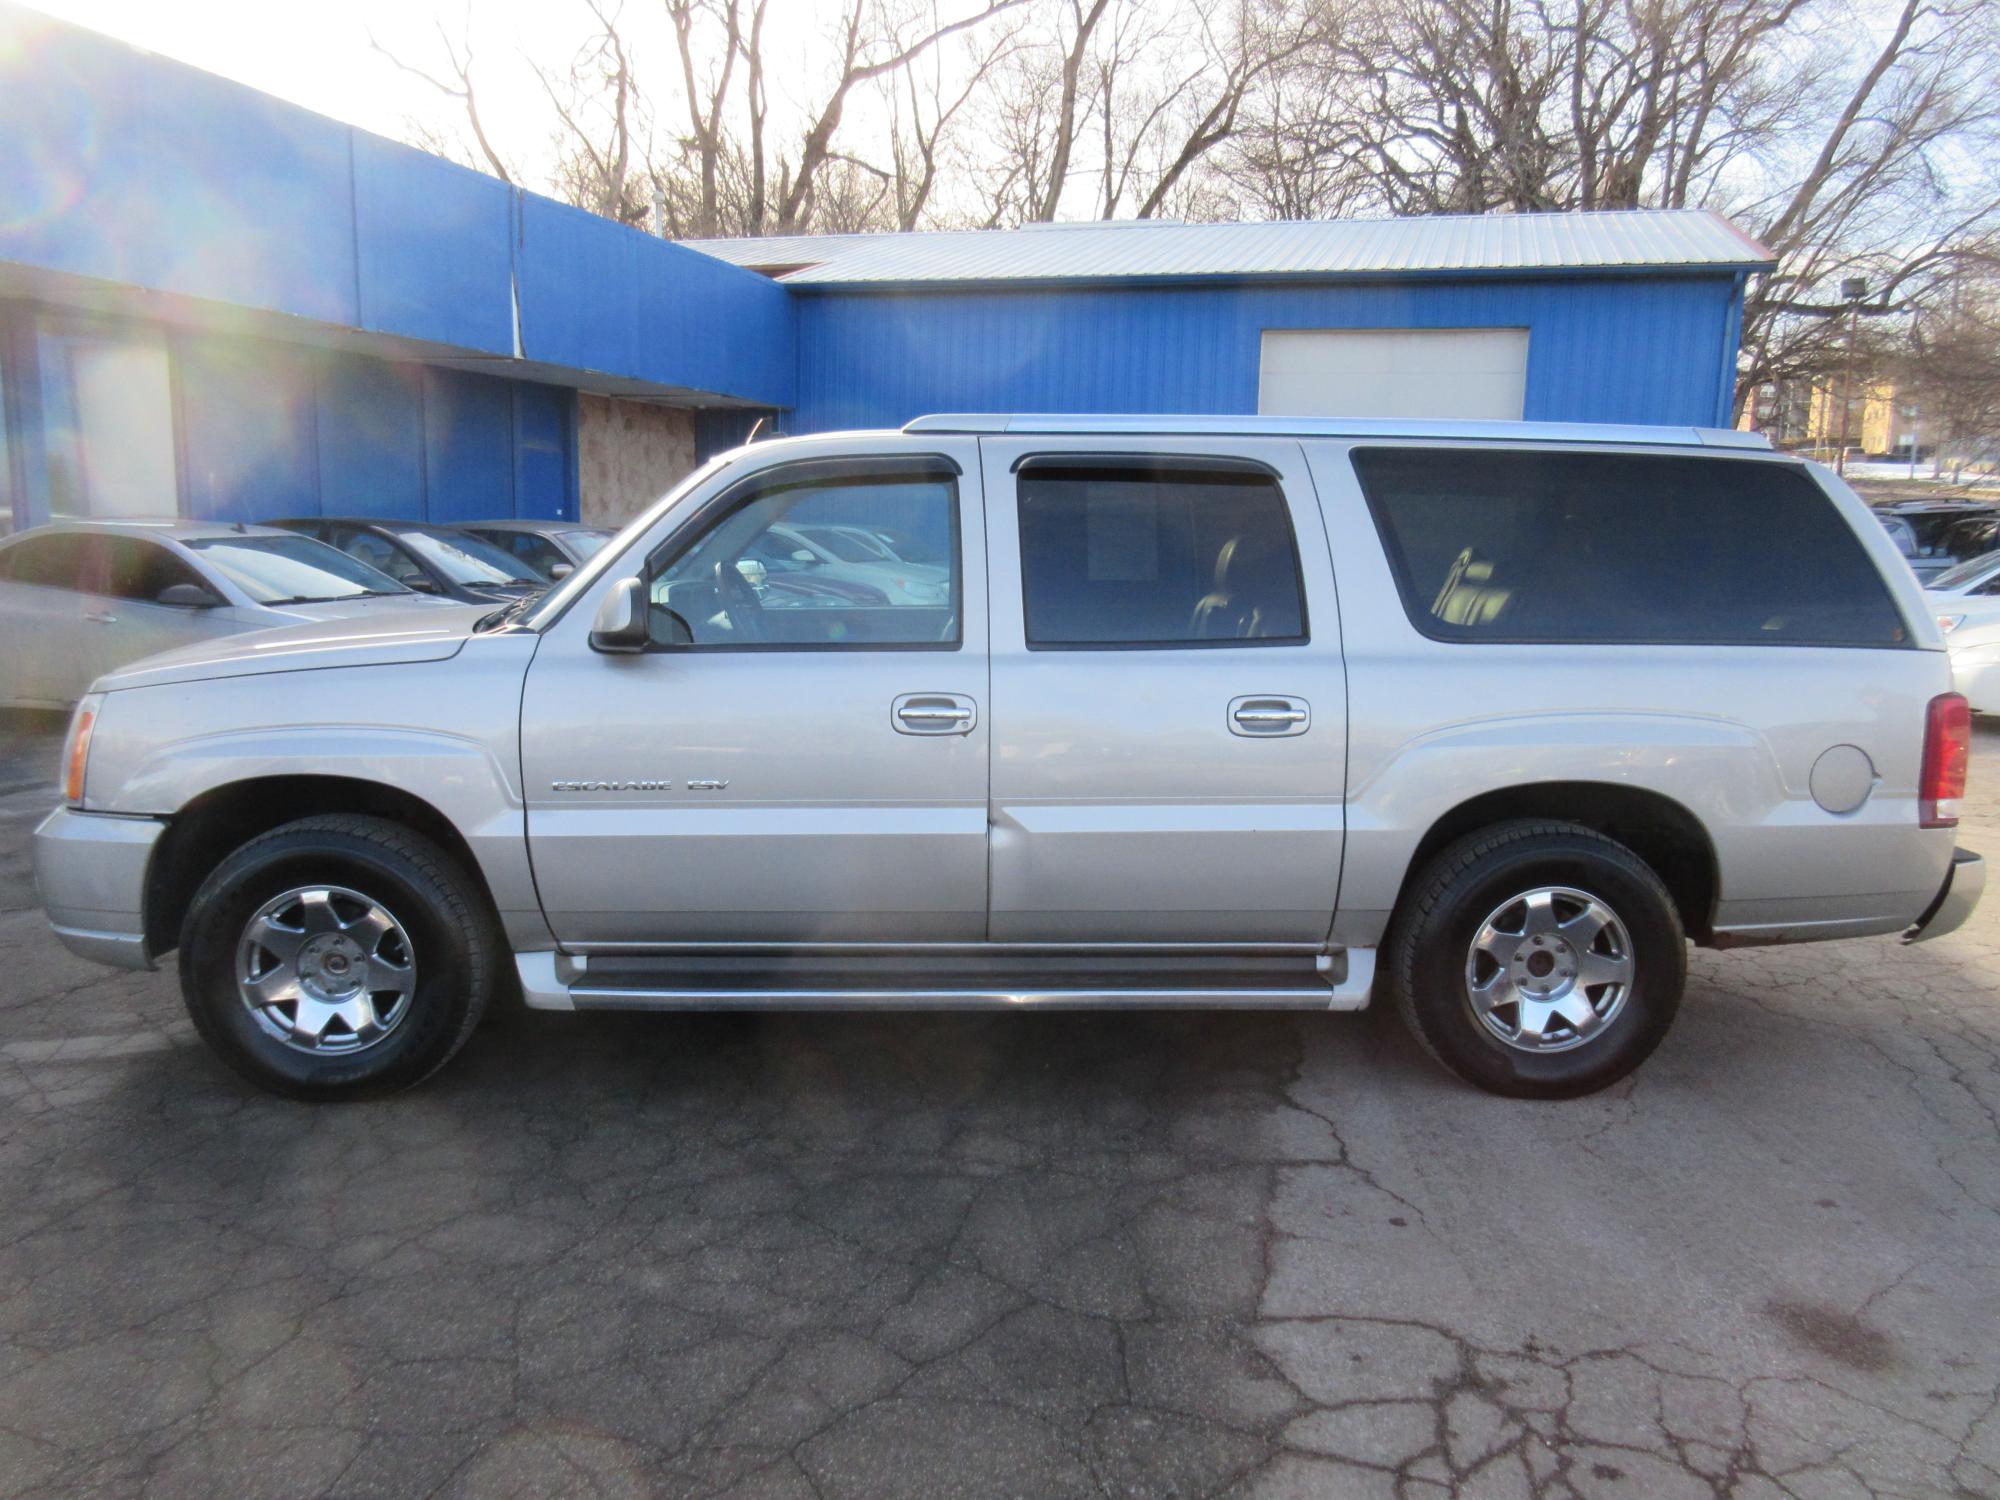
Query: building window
x,y
108,420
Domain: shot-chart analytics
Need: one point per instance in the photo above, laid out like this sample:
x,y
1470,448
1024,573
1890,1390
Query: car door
x,y
1169,704
43,612
781,765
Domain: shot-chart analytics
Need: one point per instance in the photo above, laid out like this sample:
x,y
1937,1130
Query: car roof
x,y
170,530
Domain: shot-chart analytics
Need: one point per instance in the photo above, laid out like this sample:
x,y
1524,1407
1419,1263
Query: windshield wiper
x,y
507,611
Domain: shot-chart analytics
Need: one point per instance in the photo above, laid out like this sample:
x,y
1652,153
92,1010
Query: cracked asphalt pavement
x,y
1020,1256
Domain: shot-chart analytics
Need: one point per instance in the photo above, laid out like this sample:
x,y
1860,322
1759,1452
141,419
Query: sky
x,y
318,55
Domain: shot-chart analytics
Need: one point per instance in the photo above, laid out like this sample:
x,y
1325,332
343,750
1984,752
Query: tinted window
x,y
382,555
1151,557
757,577
1631,548
54,562
141,570
537,552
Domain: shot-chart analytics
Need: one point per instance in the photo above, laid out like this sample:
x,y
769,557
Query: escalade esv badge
x,y
611,786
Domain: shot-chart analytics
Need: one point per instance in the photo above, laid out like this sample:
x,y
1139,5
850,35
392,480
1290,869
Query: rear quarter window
x,y
1622,548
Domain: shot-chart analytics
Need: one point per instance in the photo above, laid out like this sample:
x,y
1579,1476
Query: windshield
x,y
585,543
292,569
1966,572
466,559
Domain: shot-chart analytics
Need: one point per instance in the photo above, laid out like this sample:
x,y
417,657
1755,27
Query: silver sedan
x,y
80,598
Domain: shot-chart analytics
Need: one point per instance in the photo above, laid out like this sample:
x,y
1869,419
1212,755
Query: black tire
x,y
451,932
1443,911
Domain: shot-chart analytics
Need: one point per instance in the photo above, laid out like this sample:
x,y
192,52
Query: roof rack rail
x,y
1064,423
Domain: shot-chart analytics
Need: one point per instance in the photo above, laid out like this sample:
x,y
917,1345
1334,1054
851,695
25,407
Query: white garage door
x,y
1393,372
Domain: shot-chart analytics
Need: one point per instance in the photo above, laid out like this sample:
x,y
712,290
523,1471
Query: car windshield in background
x,y
291,569
1965,572
842,546
466,560
584,544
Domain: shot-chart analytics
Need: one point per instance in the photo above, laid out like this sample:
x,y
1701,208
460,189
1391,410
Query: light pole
x,y
1852,291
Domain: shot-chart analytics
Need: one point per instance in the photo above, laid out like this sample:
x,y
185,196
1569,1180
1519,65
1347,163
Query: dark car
x,y
554,549
439,560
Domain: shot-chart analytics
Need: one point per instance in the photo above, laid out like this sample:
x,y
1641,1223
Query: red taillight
x,y
1947,749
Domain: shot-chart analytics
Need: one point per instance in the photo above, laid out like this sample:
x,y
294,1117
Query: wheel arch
x,y
1658,829
223,818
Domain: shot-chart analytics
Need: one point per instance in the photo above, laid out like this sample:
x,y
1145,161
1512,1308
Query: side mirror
x,y
187,596
620,626
419,581
804,556
753,572
559,571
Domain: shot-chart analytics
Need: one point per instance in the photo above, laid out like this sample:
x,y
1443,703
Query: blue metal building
x,y
213,303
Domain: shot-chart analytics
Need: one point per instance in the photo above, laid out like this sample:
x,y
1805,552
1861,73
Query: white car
x,y
82,598
1974,577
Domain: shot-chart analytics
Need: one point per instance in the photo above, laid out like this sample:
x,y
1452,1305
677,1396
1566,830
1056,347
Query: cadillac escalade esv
x,y
1492,719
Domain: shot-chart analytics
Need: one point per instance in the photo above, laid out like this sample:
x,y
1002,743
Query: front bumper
x,y
1963,884
90,869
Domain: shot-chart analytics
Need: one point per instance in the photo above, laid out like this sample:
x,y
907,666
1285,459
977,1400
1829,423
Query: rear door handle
x,y
101,617
933,713
1266,716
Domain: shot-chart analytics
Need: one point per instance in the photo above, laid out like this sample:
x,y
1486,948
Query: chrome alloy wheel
x,y
325,970
1549,969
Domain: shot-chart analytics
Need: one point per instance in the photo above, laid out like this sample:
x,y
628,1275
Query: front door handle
x,y
933,713
1269,716
101,617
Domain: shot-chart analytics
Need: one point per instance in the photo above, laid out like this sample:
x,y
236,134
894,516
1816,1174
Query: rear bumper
x,y
1963,884
90,870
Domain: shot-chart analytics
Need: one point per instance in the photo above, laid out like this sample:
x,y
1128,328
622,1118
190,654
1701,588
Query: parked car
x,y
80,598
430,559
554,549
1488,720
1975,577
793,549
1934,536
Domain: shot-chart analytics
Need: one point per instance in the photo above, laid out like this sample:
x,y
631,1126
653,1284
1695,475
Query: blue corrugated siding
x,y
1610,349
270,430
371,438
544,452
435,247
134,169
248,430
598,296
468,446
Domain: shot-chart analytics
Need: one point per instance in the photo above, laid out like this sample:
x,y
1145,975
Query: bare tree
x,y
458,87
600,114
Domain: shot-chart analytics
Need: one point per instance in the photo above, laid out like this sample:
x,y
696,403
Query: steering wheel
x,y
746,610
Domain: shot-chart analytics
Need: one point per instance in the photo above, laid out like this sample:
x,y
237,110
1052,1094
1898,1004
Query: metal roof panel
x,y
1639,239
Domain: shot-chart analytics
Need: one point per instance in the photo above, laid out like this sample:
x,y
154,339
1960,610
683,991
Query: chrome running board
x,y
564,981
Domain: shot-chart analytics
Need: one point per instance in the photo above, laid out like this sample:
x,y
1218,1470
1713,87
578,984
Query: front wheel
x,y
1537,959
337,957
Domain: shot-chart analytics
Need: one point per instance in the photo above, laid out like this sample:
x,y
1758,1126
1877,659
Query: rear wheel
x,y
337,957
1538,959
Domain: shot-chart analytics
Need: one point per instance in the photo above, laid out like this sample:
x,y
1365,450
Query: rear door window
x,y
1627,548
53,562
1155,555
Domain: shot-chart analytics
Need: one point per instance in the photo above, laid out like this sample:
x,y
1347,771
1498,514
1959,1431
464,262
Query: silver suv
x,y
1490,718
